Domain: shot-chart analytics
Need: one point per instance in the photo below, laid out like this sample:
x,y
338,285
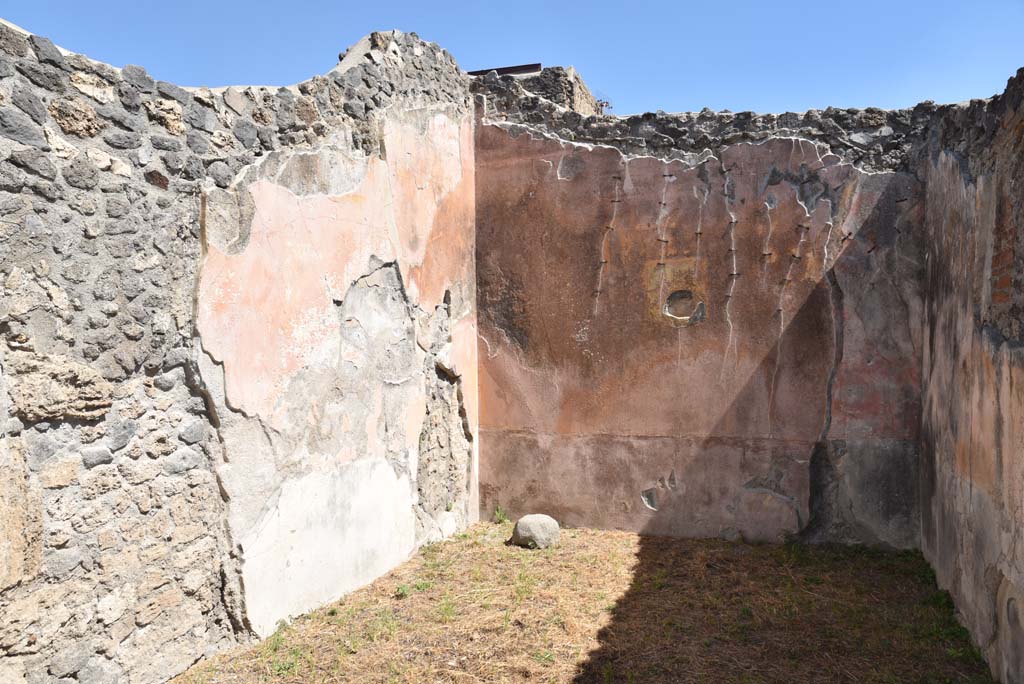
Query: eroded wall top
x,y
872,139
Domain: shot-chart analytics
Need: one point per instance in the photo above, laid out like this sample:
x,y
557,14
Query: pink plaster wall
x,y
595,403
268,311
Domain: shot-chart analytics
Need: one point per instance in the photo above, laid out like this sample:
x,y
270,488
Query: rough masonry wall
x,y
725,345
116,562
238,370
238,337
558,102
972,472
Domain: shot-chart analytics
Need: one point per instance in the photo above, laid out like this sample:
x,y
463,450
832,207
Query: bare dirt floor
x,y
611,607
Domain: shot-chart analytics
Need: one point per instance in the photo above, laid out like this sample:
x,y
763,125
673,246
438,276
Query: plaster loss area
x,y
261,346
332,348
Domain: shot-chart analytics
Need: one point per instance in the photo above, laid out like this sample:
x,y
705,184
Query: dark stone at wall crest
x,y
46,51
18,127
137,77
43,75
174,92
12,42
129,96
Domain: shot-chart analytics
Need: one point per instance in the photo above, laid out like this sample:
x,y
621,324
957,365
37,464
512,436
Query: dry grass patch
x,y
611,607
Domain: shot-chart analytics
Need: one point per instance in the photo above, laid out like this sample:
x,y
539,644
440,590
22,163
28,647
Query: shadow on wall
x,y
659,390
709,613
734,611
813,431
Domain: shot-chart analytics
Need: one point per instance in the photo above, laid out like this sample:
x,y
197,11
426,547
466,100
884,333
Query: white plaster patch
x,y
330,533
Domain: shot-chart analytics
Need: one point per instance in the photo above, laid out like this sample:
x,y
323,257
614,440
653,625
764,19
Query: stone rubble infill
x,y
120,566
872,139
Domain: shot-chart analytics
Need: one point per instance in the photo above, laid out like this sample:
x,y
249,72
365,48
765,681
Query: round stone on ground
x,y
535,531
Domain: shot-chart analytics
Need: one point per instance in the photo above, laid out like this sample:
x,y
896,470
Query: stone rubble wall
x,y
972,466
239,355
565,87
146,488
872,139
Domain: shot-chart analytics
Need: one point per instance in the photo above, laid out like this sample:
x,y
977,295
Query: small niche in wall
x,y
676,290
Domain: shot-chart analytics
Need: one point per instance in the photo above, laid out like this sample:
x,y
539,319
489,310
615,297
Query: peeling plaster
x,y
317,328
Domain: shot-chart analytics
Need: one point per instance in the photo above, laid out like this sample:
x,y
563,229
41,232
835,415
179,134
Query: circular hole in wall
x,y
680,305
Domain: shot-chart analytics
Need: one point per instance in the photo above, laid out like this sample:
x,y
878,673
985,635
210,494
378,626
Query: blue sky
x,y
642,56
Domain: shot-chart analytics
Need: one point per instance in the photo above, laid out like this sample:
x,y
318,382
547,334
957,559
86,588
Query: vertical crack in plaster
x,y
607,231
823,474
728,193
766,250
838,328
660,231
702,197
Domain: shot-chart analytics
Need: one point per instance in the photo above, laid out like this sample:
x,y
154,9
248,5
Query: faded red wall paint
x,y
592,395
268,312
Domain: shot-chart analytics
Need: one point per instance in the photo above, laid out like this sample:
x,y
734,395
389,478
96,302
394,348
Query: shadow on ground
x,y
726,612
